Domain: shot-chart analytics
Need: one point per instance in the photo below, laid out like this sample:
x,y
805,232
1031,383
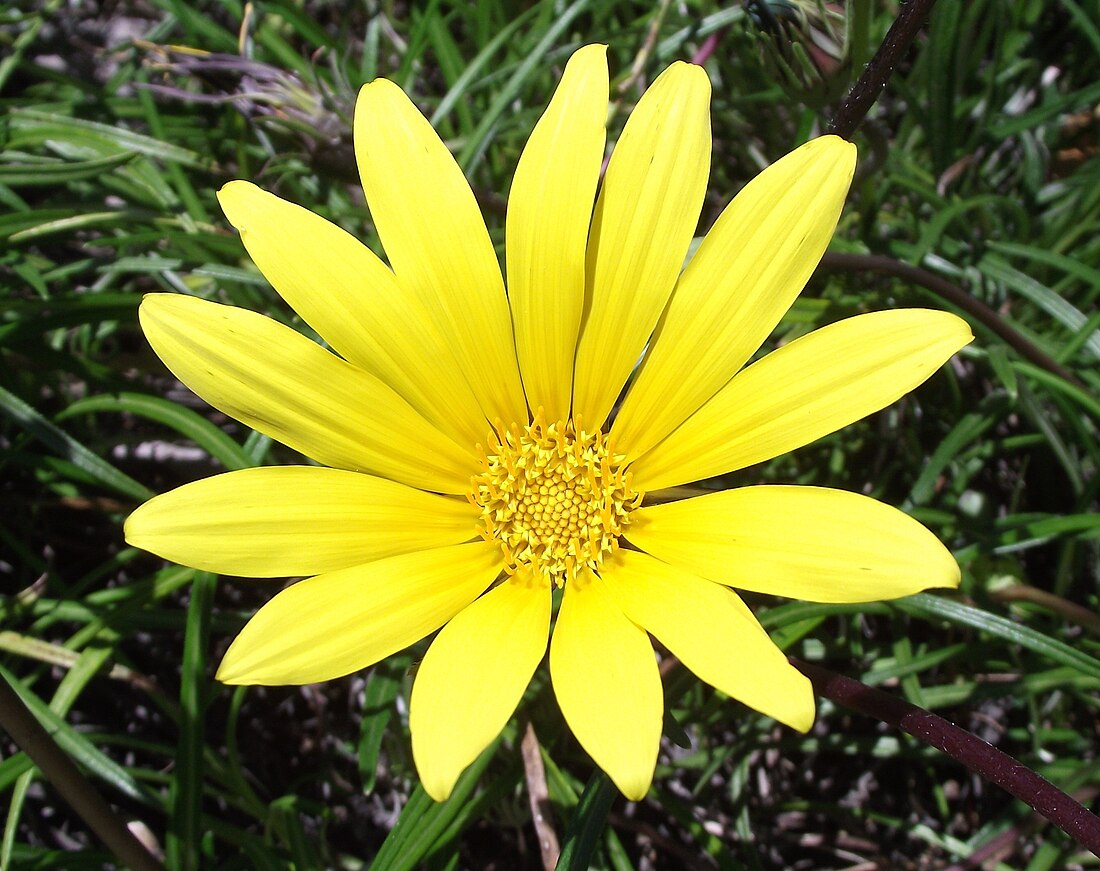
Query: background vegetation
x,y
980,164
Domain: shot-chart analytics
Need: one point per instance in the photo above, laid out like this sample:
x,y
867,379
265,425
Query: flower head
x,y
474,452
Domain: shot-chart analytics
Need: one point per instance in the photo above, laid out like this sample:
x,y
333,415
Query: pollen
x,y
556,498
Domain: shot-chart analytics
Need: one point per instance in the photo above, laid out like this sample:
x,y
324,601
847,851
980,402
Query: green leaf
x,y
927,605
475,145
423,820
1052,303
32,126
185,834
186,422
378,698
16,410
45,173
588,823
81,748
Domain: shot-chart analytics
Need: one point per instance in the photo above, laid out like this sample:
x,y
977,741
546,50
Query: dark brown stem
x,y
983,759
955,295
902,32
73,786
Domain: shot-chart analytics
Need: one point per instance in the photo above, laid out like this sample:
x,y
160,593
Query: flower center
x,y
555,497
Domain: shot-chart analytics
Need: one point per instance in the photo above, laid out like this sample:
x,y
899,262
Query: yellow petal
x,y
801,542
713,633
606,681
280,383
342,290
645,217
436,242
340,622
472,678
295,520
745,275
549,211
809,388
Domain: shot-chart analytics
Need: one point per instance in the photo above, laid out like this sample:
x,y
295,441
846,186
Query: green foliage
x,y
980,163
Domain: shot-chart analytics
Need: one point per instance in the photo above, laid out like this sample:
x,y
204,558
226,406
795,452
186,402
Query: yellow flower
x,y
477,454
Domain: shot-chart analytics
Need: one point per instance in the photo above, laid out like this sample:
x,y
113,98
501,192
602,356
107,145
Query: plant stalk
x,y
955,295
980,757
74,787
899,37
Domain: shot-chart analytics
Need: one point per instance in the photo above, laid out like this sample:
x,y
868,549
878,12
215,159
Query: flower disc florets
x,y
555,497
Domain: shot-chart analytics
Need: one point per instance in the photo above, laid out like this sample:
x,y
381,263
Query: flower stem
x,y
955,295
73,786
902,32
981,758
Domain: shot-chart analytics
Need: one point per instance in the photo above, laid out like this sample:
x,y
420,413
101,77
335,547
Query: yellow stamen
x,y
555,497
